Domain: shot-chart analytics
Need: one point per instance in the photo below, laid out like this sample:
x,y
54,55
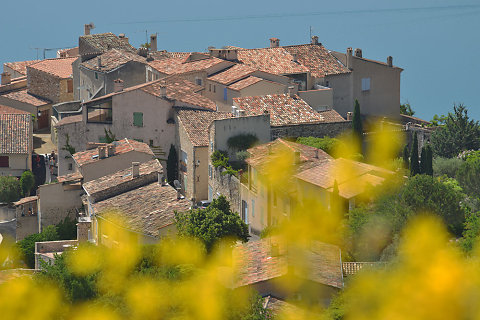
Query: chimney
x,y
99,62
111,150
123,38
274,43
314,40
163,90
358,52
6,78
160,178
390,61
349,58
241,113
179,194
291,91
142,52
153,42
117,85
87,29
349,116
135,170
102,152
294,57
234,110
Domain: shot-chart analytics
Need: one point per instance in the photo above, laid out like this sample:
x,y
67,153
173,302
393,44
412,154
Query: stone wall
x,y
318,130
227,185
43,85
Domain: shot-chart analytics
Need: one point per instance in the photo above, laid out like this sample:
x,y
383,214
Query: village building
x,y
17,69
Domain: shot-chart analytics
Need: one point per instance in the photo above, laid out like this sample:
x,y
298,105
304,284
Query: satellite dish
x,y
177,184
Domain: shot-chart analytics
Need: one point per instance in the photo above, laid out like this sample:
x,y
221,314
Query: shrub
x,y
327,144
446,166
27,181
10,189
219,159
242,155
242,141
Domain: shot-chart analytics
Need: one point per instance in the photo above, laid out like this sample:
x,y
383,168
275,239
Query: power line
x,y
306,14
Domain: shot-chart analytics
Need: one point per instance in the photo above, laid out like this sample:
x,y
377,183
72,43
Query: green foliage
x,y
459,133
337,308
414,165
27,245
109,136
172,165
77,288
429,162
10,189
242,142
242,155
253,310
219,159
68,147
27,180
67,229
423,160
406,157
446,166
217,222
469,175
406,109
327,144
357,125
230,171
439,120
472,230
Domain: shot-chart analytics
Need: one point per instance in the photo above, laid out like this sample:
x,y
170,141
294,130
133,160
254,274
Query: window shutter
x,y
138,119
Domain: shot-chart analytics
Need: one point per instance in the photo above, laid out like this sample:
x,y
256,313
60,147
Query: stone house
x,y
26,216
16,142
140,196
47,250
17,69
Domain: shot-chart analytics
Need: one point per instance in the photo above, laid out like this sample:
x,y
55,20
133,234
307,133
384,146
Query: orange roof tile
x,y
5,109
25,97
60,67
172,66
196,122
244,83
331,116
112,59
232,74
15,133
20,66
273,60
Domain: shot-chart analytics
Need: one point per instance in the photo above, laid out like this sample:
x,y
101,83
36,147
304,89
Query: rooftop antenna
x,y
310,33
45,50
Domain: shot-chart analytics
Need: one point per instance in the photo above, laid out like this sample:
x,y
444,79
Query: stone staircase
x,y
159,153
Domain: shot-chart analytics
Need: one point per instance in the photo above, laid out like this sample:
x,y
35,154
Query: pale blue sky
x,y
438,47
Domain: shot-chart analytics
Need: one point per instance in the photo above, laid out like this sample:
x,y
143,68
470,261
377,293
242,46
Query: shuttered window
x,y
138,119
4,162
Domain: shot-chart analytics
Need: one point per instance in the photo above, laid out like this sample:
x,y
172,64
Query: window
x,y
70,166
253,208
211,146
101,113
214,87
225,94
138,119
210,87
96,75
198,81
150,143
69,85
4,163
210,171
365,84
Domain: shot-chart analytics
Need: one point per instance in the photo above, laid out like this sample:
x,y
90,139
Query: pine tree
x,y
423,161
414,165
406,156
429,162
172,165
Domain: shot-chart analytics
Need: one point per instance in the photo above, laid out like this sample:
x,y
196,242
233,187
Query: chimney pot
x,y
314,40
6,78
390,61
102,152
349,58
274,43
349,116
163,90
135,170
153,42
358,52
241,113
111,150
87,29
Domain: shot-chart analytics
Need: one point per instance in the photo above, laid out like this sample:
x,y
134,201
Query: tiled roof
x,y
147,209
196,124
160,55
61,67
273,60
20,66
112,59
25,97
317,59
26,200
15,133
359,175
102,42
283,108
331,116
232,74
182,65
121,181
263,155
68,120
5,109
120,147
280,308
70,177
69,52
257,263
247,82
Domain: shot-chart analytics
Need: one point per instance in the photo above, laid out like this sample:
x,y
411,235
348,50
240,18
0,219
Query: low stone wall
x,y
229,186
318,130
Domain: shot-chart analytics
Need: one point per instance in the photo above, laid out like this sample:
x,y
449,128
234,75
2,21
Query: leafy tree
x,y
406,157
406,109
429,162
459,133
27,180
438,120
212,224
67,229
469,175
27,245
219,159
10,189
471,232
414,166
172,165
327,144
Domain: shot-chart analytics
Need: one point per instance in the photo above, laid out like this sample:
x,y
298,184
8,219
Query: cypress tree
x,y
429,162
406,156
423,161
335,198
357,125
414,165
172,165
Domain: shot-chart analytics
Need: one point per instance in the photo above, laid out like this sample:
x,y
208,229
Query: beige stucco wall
x,y
65,96
342,85
18,163
57,201
320,99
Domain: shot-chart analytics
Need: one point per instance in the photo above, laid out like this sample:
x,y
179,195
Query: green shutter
x,y
138,119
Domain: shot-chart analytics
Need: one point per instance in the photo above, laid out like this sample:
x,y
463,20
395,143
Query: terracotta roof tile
x,y
20,66
61,67
317,59
102,42
147,209
120,147
15,133
113,59
196,124
180,65
25,97
70,177
257,263
232,74
5,109
273,60
26,200
283,108
68,52
244,83
331,116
